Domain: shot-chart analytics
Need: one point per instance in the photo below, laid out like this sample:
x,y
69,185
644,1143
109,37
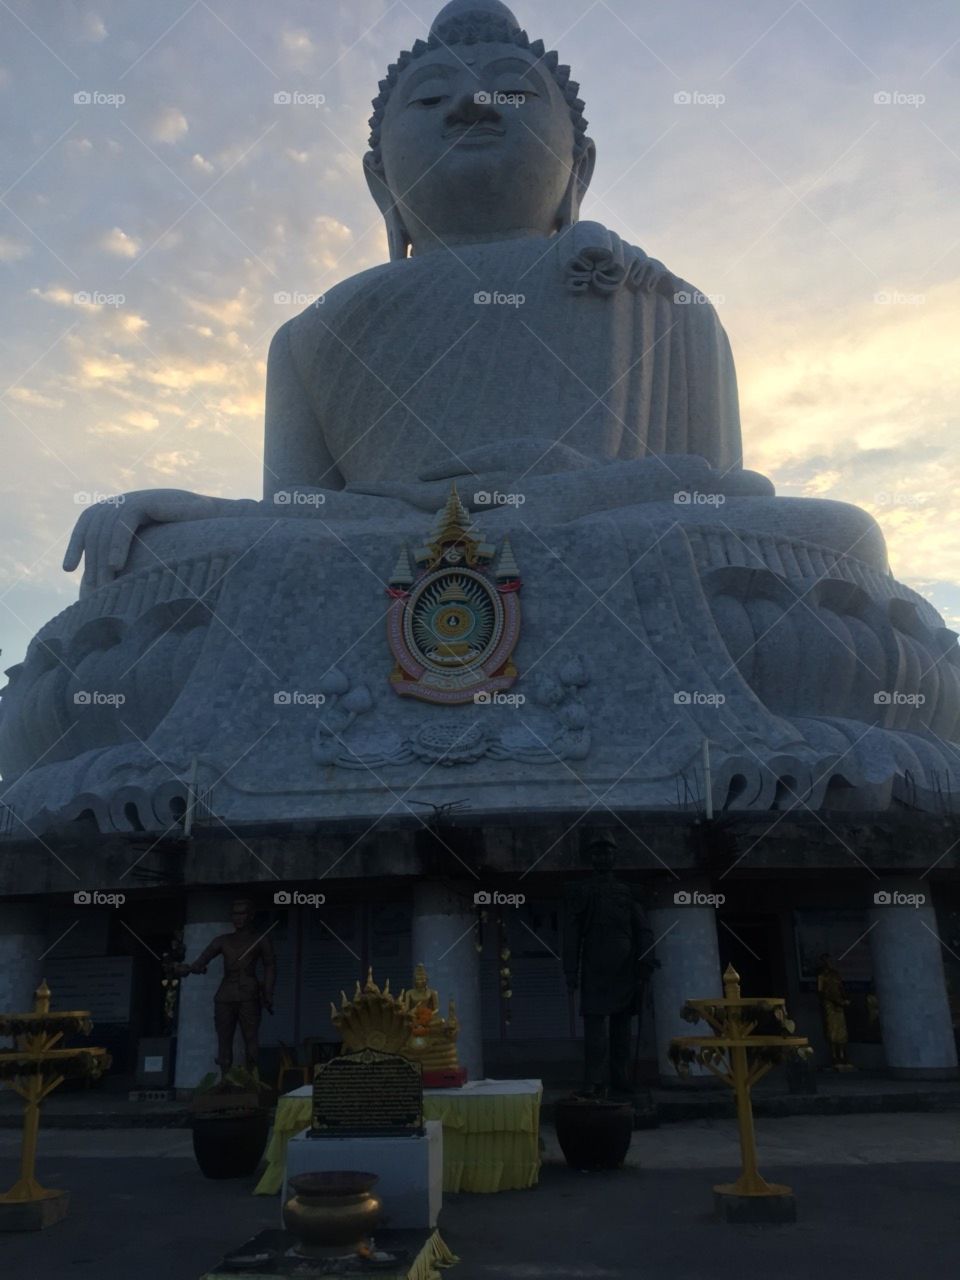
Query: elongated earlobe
x,y
398,239
569,212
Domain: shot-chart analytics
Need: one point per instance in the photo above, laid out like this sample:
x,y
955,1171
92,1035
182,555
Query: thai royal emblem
x,y
455,617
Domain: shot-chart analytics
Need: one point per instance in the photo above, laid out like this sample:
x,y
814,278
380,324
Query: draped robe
x,y
586,344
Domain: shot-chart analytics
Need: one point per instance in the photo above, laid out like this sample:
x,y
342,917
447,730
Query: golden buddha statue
x,y
433,1039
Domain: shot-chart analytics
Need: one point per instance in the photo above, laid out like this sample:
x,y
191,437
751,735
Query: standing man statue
x,y
833,1006
608,947
241,996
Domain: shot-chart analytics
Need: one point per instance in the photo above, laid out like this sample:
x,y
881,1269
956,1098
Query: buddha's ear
x,y
398,240
580,177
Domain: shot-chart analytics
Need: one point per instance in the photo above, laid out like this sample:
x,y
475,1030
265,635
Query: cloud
x,y
134,423
201,164
169,126
61,297
92,27
175,462
34,398
231,313
183,376
118,242
143,420
297,43
12,250
130,322
96,371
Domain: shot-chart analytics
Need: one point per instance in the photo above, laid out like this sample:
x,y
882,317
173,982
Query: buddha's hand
x,y
526,455
105,532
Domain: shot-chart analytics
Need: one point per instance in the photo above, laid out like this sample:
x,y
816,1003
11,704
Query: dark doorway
x,y
754,946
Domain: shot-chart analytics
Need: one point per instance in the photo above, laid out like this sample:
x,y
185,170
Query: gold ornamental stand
x,y
34,1069
739,1058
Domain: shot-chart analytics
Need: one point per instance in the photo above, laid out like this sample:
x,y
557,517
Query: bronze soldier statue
x,y
241,996
608,945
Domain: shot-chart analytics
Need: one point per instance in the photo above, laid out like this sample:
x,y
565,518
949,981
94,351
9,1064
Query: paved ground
x,y
879,1200
109,1105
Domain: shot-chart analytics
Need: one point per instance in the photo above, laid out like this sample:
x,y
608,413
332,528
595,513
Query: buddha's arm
x,y
295,455
712,427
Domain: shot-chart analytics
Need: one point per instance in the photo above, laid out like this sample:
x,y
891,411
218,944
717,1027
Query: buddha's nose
x,y
474,107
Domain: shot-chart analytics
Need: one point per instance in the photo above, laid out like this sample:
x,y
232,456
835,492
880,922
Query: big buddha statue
x,y
506,532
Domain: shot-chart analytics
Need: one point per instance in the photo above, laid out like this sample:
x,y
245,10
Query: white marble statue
x,y
583,400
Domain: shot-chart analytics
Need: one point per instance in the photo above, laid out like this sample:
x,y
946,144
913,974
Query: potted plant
x,y
231,1123
593,1132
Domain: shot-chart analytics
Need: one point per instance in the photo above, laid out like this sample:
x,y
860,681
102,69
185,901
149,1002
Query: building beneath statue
x,y
463,899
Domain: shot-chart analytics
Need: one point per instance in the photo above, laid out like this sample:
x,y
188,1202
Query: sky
x,y
161,214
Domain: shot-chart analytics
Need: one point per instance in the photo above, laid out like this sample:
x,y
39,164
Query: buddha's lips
x,y
474,131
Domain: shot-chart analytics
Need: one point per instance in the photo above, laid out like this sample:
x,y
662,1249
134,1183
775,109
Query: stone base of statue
x,y
409,1169
777,1204
34,1215
696,588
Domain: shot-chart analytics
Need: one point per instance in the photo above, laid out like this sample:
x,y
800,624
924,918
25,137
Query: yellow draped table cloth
x,y
491,1134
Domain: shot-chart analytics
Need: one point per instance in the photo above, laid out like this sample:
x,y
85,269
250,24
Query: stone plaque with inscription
x,y
368,1092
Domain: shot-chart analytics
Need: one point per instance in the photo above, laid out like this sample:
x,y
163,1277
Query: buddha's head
x,y
477,134
420,978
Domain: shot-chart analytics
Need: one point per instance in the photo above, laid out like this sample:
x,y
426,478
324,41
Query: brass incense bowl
x,y
332,1214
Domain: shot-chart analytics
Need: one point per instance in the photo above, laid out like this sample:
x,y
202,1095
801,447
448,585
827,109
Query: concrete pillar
x,y
207,915
23,940
911,990
685,934
443,940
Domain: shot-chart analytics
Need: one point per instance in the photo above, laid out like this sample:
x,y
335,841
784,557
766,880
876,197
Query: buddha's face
x,y
477,139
